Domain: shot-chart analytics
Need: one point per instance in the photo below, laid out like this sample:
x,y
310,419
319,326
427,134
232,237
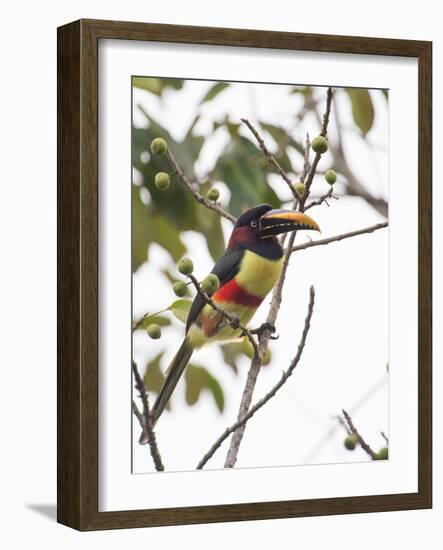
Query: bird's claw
x,y
266,327
235,321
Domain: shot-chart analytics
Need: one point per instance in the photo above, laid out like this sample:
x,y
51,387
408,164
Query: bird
x,y
248,270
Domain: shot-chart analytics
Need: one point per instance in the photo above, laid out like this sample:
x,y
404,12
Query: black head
x,y
261,223
251,218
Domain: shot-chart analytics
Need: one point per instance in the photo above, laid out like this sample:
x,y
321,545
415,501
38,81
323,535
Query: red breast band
x,y
233,292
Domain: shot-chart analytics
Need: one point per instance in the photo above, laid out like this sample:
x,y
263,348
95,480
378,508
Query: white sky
x,y
347,348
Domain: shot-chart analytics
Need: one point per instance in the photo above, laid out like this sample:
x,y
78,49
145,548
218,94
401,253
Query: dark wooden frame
x,y
77,457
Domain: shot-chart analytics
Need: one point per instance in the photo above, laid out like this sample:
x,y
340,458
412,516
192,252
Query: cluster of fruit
x,y
351,441
162,180
319,145
209,285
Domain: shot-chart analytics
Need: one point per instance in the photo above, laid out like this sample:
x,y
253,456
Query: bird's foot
x,y
266,327
235,321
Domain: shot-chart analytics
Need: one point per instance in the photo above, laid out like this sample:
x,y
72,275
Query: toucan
x,y
247,271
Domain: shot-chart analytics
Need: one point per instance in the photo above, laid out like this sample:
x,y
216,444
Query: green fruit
x,y
350,442
320,144
162,181
158,146
154,331
180,288
330,177
185,266
266,357
210,284
300,188
247,348
213,194
383,454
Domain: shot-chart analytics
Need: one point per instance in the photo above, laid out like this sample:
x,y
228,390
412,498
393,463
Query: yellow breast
x,y
258,275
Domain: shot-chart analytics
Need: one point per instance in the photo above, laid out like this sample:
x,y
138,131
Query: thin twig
x,y
385,437
198,196
138,322
323,132
232,319
147,421
322,199
362,442
306,163
343,424
353,185
286,374
272,160
360,402
340,237
138,414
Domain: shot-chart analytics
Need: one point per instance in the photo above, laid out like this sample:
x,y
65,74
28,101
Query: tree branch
x,y
232,319
362,442
272,160
286,374
254,369
146,417
198,196
340,237
256,363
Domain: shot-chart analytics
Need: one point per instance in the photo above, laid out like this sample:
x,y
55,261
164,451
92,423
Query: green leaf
x,y
233,351
305,90
175,83
149,227
180,309
198,379
362,108
243,167
140,230
156,319
152,85
166,235
185,152
171,278
231,127
214,91
156,85
210,225
282,139
154,378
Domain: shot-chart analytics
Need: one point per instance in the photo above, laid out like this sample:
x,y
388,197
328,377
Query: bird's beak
x,y
275,222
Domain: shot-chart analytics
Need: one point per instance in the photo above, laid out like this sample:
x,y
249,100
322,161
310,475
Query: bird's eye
x,y
254,223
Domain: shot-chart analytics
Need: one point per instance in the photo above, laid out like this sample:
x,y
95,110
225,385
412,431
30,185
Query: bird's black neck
x,y
268,248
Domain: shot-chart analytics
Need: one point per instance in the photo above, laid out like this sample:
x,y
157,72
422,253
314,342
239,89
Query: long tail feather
x,y
174,372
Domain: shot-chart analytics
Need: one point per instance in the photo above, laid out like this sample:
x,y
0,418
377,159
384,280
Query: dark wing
x,y
226,268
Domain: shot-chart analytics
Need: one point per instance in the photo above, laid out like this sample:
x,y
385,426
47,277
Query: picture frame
x,y
78,281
